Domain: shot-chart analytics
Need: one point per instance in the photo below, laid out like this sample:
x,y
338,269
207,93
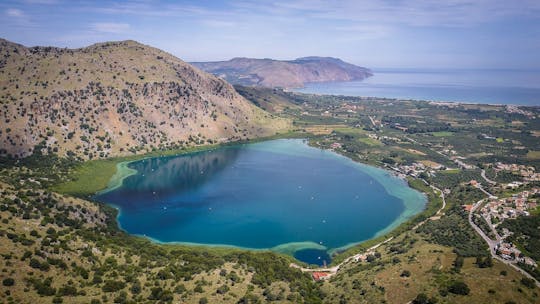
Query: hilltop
x,y
284,73
116,98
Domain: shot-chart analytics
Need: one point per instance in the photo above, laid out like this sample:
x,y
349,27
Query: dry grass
x,y
430,266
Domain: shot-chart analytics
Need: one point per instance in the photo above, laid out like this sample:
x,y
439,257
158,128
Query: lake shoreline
x,y
377,173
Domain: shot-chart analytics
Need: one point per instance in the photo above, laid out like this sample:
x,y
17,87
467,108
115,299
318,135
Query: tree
x,y
459,288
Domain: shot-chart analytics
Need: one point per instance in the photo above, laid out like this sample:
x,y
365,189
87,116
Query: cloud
x,y
16,13
144,8
110,27
448,13
218,23
364,31
45,2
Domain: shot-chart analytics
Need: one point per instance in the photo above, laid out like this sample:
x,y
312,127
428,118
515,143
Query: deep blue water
x,y
260,196
520,87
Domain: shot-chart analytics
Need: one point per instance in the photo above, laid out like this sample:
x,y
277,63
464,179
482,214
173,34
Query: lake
x,y
521,87
282,195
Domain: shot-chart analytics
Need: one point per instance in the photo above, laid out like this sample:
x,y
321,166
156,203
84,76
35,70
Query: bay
x,y
518,87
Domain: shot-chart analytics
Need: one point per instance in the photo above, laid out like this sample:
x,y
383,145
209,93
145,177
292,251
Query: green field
x,y
533,154
370,141
442,134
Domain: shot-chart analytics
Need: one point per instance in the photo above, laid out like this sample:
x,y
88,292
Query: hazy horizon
x,y
380,34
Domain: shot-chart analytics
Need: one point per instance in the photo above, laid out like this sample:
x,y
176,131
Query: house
x,y
318,276
335,145
467,208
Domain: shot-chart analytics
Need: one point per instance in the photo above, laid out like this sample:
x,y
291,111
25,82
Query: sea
x,y
494,86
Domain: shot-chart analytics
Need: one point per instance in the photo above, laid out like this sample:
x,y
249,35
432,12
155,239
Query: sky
x,y
488,34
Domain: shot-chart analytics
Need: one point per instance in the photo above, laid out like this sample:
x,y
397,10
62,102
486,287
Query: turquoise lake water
x,y
521,87
282,195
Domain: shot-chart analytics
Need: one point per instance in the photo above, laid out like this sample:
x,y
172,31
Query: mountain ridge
x,y
116,98
294,73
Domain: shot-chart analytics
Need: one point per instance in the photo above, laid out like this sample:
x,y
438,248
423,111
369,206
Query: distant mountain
x,y
116,98
285,74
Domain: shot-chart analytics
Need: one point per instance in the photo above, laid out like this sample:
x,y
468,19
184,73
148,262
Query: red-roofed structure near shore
x,y
317,276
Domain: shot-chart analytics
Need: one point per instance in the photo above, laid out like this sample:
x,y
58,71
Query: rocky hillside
x,y
116,98
285,74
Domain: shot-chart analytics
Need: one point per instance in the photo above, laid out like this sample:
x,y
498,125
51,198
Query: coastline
x,y
410,198
324,89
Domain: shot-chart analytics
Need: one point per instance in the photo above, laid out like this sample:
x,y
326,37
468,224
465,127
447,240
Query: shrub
x,y
8,282
136,288
223,289
422,298
198,289
459,288
67,290
180,288
529,283
112,286
405,273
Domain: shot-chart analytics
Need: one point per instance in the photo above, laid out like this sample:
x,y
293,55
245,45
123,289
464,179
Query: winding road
x,y
483,174
491,243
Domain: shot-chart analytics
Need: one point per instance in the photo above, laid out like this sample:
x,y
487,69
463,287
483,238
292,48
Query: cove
x,y
282,195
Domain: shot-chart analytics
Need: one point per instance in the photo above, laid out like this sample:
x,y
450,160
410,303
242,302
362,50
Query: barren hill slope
x,y
116,98
286,74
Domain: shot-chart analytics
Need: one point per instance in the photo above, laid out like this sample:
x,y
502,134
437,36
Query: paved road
x,y
483,173
478,186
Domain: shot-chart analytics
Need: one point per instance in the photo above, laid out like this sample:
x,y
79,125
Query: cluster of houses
x,y
417,168
458,160
527,172
518,110
509,252
335,145
516,205
383,138
497,210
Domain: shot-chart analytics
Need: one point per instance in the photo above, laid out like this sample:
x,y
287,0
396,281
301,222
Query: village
x,y
496,210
